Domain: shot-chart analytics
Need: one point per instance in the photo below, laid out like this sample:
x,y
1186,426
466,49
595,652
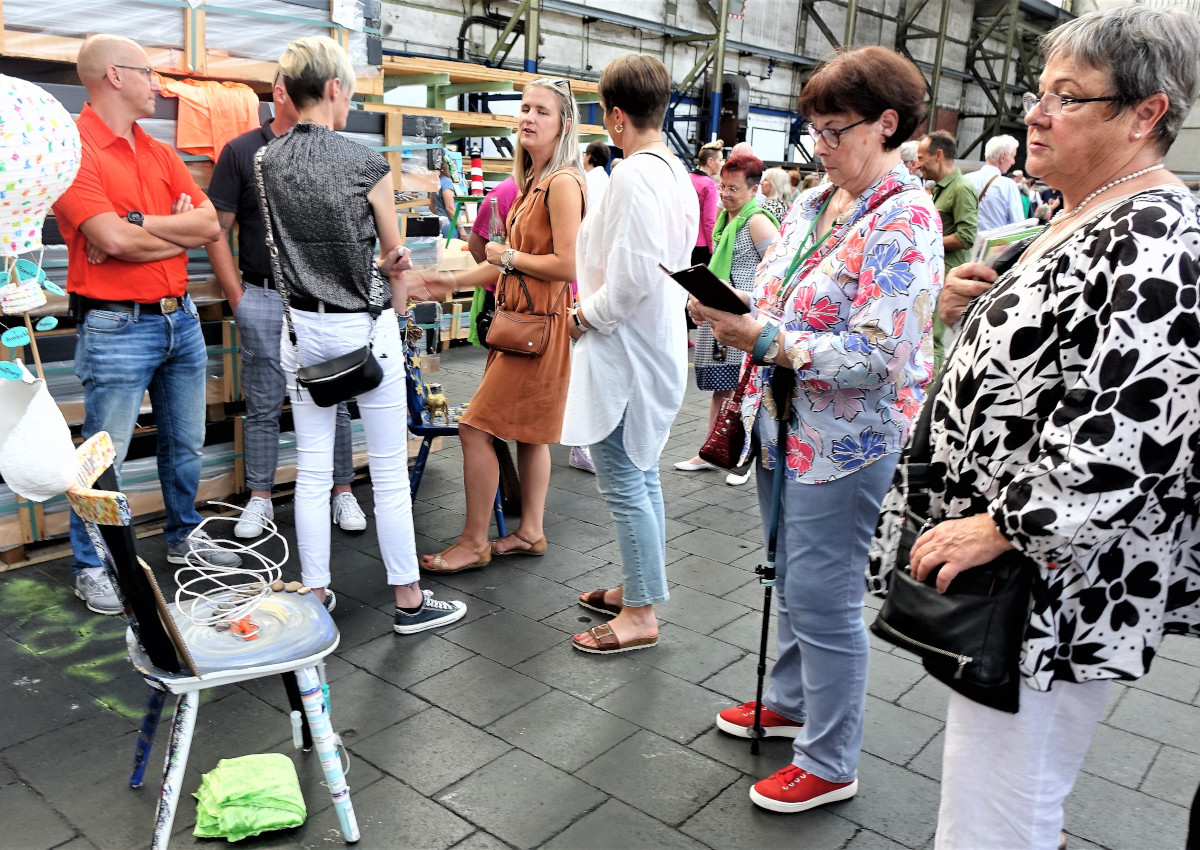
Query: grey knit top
x,y
316,182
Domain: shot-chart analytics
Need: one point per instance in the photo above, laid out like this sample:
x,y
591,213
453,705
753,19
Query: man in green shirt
x,y
955,199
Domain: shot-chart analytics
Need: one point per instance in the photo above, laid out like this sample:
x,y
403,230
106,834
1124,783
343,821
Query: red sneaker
x,y
739,721
793,790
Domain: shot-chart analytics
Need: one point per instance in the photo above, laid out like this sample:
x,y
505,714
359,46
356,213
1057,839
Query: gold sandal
x,y
438,564
536,549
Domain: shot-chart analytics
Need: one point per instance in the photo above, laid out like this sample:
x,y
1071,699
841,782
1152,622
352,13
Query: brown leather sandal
x,y
608,643
594,601
536,549
438,564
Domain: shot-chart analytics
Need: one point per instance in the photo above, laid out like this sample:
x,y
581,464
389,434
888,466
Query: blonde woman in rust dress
x,y
522,398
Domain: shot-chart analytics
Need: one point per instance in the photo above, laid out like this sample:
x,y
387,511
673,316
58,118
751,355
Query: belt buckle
x,y
168,305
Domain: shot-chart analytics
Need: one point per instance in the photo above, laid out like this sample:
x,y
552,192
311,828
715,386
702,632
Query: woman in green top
x,y
743,232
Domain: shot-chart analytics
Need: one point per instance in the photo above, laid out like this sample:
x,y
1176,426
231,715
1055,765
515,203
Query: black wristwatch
x,y
136,217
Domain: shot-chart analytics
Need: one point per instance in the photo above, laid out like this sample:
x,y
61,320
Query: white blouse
x,y
634,360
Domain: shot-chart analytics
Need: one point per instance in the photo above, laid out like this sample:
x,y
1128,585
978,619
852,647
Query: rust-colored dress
x,y
523,398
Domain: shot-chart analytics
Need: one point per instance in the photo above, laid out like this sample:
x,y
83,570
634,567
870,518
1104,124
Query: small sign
x,y
10,371
15,337
53,288
46,323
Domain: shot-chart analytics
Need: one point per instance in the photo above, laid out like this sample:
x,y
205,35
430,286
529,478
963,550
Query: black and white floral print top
x,y
1070,412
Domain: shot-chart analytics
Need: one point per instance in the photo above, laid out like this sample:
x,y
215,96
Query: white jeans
x,y
1005,776
322,336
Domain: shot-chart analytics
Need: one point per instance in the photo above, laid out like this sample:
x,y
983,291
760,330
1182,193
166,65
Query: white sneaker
x,y
581,458
347,515
248,524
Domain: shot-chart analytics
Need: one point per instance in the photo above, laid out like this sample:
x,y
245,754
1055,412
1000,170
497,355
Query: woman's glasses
x,y
560,83
832,137
1052,104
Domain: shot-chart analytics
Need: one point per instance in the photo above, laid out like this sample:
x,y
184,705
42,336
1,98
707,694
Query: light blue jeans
x,y
635,498
118,356
259,318
820,679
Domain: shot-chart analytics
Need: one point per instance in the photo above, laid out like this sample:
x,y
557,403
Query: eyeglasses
x,y
731,190
558,82
1052,104
149,72
832,137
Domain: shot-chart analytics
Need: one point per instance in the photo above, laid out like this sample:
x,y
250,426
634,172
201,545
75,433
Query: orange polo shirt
x,y
113,177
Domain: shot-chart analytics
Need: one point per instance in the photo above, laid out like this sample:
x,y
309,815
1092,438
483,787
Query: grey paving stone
x,y
724,548
1120,819
665,704
738,680
430,750
617,825
562,730
658,777
928,762
520,799
682,508
505,637
698,611
867,840
404,660
746,632
773,753
571,504
29,823
440,524
1173,777
893,802
719,517
611,553
691,655
531,595
575,619
928,696
588,677
895,733
1180,648
577,534
891,676
479,690
480,840
1120,756
749,593
392,815
561,564
731,820
359,622
706,576
606,576
1156,717
1172,679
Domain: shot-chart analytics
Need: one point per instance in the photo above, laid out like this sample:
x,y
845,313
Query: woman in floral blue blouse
x,y
843,302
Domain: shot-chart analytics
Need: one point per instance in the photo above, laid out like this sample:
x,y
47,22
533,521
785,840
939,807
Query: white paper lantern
x,y
39,157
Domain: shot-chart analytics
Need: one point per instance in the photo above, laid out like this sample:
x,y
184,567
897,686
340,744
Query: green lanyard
x,y
800,258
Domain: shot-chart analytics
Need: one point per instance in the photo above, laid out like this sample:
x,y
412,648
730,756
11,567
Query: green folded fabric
x,y
249,795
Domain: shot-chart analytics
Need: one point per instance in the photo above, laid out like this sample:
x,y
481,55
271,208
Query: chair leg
x,y
327,750
174,767
414,477
154,704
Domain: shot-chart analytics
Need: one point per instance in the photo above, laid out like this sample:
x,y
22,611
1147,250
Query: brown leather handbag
x,y
512,332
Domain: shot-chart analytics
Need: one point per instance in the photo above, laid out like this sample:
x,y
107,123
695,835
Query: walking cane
x,y
782,381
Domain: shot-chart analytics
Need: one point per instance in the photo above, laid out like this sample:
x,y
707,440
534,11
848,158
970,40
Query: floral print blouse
x,y
856,327
1070,412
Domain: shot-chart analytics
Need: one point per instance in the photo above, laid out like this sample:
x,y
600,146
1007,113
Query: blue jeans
x,y
820,679
259,318
118,356
635,498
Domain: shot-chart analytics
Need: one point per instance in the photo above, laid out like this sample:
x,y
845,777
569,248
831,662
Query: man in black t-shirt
x,y
258,308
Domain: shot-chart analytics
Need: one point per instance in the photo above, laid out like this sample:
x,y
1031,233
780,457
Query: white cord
x,y
208,594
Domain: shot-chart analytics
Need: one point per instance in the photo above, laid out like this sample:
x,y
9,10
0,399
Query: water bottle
x,y
495,224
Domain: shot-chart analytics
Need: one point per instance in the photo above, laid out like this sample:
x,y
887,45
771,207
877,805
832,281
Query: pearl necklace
x,y
1062,215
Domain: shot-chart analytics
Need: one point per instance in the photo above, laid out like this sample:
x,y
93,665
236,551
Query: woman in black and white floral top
x,y
1069,421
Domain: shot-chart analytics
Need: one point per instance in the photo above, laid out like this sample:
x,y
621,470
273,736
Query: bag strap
x,y
988,186
374,299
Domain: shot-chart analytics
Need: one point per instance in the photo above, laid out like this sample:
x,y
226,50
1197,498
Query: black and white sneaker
x,y
330,600
433,613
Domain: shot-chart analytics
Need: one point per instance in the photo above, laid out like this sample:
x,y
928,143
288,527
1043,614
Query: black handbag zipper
x,y
963,660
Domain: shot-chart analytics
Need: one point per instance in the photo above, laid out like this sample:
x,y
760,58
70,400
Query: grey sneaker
x,y
433,613
347,515
94,588
250,523
208,551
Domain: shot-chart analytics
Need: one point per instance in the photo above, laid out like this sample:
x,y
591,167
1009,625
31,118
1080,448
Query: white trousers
x,y
1005,776
321,337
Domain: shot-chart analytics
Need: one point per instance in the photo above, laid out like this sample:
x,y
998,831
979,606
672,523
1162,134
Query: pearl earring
x,y
1137,135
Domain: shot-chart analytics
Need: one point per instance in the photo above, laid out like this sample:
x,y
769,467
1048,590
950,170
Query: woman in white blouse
x,y
629,368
